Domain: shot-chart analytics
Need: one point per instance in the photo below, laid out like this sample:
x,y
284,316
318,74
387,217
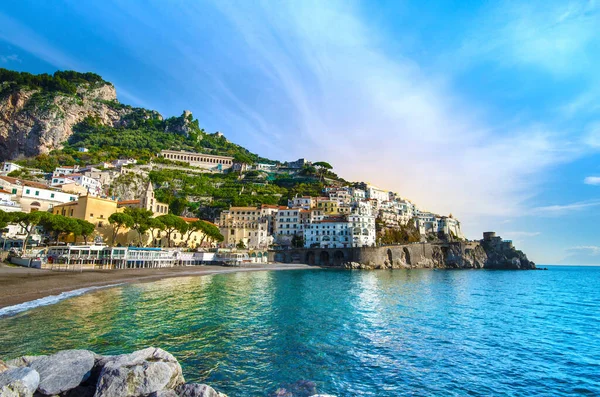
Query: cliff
x,y
455,255
35,121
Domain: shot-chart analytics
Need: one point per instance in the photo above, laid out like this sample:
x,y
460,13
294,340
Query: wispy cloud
x,y
592,180
562,209
590,249
10,58
520,234
553,35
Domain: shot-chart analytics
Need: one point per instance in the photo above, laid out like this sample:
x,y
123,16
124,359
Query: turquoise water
x,y
353,333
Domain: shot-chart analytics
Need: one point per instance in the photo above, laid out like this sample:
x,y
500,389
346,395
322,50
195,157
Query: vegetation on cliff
x,y
65,82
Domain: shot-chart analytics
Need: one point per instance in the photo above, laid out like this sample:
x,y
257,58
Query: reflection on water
x,y
384,333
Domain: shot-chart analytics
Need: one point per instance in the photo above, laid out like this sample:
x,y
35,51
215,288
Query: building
x,y
7,204
92,209
305,202
123,162
148,202
34,196
200,160
9,167
65,170
93,186
250,225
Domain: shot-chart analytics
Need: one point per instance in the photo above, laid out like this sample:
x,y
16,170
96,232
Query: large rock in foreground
x,y
19,382
138,374
63,371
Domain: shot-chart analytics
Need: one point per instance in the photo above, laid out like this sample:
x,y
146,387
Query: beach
x,y
20,284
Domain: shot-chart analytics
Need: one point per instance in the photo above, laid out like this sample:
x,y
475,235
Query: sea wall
x,y
455,255
149,372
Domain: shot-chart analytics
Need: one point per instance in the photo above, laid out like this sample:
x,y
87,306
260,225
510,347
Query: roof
x,y
269,206
4,191
189,219
17,181
128,202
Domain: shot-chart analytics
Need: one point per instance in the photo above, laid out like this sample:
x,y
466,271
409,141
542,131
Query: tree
x,y
87,229
322,168
141,220
178,205
155,225
240,245
29,222
212,232
193,227
60,224
297,241
119,220
6,218
173,223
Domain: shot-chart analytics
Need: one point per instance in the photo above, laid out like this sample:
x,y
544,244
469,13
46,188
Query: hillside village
x,y
342,216
120,175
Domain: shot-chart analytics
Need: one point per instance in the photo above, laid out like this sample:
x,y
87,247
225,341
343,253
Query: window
x,y
14,191
91,215
27,191
51,195
37,192
99,224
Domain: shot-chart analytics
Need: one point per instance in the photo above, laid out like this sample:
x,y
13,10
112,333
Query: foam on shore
x,y
48,300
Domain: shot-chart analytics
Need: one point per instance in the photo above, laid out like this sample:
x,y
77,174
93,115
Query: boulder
x,y
19,382
63,371
196,390
164,393
140,373
23,361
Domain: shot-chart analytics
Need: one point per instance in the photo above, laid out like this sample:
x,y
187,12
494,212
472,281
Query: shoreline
x,y
20,284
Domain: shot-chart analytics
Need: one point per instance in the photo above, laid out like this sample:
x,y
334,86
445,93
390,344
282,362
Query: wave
x,y
48,300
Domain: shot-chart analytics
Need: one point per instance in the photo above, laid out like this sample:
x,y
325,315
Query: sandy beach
x,y
19,284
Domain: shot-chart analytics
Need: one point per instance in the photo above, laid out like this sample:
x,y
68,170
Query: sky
x,y
486,110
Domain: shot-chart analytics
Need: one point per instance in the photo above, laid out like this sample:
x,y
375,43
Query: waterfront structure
x,y
200,160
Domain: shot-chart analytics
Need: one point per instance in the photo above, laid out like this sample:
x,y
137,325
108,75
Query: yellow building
x,y
92,209
332,207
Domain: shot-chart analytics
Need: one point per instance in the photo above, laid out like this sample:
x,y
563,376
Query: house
x,y
9,167
34,196
7,204
65,170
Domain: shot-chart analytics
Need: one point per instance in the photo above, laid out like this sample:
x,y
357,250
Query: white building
x,y
65,170
61,180
93,186
7,204
9,167
305,202
123,162
375,193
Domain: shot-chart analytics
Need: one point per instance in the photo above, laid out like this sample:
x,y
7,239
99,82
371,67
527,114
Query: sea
x,y
344,333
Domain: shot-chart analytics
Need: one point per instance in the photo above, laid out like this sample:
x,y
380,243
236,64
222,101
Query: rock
x,y
140,373
164,393
3,366
196,390
63,371
19,382
23,361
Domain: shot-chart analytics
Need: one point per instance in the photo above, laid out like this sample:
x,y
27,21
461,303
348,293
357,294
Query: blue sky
x,y
489,111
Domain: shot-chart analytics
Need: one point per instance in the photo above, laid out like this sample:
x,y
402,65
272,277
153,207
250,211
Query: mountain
x,y
42,114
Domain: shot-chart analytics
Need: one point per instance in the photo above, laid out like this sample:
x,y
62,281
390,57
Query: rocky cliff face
x,y
34,122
